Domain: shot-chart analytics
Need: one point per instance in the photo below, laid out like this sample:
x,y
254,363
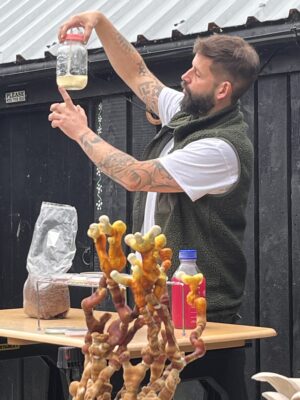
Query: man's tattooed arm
x,y
133,175
149,88
129,64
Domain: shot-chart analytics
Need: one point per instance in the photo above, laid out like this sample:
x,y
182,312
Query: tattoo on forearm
x,y
125,45
129,172
126,170
88,145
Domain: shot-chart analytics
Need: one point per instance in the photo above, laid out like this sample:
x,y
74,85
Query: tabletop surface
x,y
20,329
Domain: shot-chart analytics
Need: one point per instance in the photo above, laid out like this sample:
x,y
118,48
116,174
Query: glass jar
x,y
72,62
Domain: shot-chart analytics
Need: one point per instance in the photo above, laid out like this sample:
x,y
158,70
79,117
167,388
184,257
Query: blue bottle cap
x,y
188,254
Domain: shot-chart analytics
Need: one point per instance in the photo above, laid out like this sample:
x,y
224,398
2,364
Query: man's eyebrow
x,y
196,69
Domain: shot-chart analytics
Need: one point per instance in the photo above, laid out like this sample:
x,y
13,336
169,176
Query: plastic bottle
x,y
179,292
71,62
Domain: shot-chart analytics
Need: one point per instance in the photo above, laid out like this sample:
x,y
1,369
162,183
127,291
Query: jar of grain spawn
x,y
72,62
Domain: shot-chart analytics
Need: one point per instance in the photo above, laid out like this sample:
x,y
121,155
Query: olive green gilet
x,y
214,224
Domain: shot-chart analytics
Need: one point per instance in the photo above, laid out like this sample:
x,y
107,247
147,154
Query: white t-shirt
x,y
205,166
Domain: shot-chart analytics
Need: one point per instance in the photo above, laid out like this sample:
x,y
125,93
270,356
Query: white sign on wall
x,y
15,97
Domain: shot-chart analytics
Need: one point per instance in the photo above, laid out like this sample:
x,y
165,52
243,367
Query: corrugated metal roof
x,y
29,27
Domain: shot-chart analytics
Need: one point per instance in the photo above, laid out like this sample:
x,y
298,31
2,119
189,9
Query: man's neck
x,y
219,107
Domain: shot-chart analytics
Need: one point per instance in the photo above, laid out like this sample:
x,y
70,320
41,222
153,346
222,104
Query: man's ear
x,y
224,90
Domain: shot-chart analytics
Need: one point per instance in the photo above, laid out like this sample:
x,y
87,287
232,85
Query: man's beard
x,y
196,105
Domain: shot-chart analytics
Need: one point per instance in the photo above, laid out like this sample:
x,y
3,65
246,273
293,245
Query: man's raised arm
x,y
124,58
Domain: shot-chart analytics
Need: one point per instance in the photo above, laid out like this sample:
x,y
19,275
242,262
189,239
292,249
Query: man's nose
x,y
187,75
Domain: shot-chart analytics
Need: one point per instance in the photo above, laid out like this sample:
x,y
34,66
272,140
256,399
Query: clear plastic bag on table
x,y
51,253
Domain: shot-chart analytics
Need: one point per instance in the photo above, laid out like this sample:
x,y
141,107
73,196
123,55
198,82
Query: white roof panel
x,y
29,27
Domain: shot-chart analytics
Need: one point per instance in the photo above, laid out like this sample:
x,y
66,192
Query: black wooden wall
x,y
39,164
272,239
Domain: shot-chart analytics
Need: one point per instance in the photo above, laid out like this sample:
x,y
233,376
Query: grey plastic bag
x,y
51,253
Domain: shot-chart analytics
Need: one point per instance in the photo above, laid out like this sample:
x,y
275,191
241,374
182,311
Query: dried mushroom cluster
x,y
106,342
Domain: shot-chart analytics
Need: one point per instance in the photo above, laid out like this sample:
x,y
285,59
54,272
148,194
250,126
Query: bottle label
x,y
184,315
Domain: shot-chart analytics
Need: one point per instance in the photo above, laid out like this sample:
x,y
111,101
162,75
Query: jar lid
x,y
78,37
188,254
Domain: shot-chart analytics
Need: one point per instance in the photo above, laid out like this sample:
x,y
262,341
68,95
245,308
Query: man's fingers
x,y
76,22
87,32
72,23
80,109
54,106
54,116
67,99
62,32
55,124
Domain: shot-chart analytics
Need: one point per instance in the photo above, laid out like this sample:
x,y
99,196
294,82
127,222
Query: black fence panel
x,y
248,309
295,223
273,222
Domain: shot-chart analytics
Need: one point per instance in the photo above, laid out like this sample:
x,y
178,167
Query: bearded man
x,y
195,174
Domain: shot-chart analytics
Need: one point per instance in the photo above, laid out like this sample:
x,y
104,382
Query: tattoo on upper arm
x,y
149,92
160,172
150,89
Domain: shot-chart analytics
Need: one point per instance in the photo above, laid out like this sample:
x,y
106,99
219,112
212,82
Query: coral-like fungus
x,y
106,342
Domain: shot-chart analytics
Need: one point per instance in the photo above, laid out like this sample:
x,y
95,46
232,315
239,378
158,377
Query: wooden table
x,y
19,329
